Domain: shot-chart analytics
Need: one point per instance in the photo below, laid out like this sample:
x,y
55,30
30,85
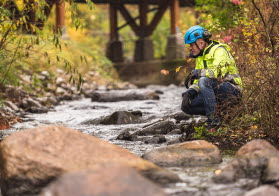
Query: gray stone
x,y
155,140
117,118
120,95
265,190
12,106
109,180
271,173
163,127
126,135
193,153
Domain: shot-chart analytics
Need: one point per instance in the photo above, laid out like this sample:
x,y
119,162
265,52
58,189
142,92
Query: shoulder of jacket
x,y
217,46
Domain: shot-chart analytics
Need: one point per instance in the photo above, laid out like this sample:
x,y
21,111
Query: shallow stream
x,y
197,180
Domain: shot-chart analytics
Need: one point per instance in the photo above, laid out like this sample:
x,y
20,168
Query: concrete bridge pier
x,y
144,50
114,51
175,45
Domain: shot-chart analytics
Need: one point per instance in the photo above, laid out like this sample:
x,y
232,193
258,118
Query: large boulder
x,y
265,190
193,153
257,159
32,158
109,180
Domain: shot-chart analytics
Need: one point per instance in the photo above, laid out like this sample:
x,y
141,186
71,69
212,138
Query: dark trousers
x,y
211,93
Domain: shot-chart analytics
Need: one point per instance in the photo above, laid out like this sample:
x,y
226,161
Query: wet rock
x,y
127,95
256,159
37,110
126,135
33,158
271,173
33,103
48,101
60,91
265,190
11,105
175,132
156,140
173,141
163,127
179,116
159,92
193,153
117,118
15,93
109,180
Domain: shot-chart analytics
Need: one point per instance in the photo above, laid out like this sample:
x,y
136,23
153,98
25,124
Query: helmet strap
x,y
200,53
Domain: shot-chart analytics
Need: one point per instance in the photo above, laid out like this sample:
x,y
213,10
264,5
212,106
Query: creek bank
x,y
49,91
35,157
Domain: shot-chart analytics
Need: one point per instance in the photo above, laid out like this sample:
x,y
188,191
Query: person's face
x,y
196,47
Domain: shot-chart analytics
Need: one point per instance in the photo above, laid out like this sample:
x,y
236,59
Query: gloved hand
x,y
196,73
190,93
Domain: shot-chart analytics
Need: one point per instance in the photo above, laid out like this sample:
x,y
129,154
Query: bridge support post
x,y
144,50
175,46
60,19
144,47
114,50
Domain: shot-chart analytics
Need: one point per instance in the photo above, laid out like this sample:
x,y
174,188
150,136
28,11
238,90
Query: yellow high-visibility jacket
x,y
217,62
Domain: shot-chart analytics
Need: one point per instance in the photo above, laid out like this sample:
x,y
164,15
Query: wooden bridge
x,y
144,52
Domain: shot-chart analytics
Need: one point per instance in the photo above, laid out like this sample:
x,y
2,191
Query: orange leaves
x,y
164,72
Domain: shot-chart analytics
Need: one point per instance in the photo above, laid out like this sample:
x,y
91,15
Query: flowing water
x,y
196,180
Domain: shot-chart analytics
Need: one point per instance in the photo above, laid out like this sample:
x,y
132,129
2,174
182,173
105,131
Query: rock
x,y
14,93
117,118
155,140
33,158
265,190
37,110
175,131
179,116
119,95
29,102
108,180
60,91
256,159
126,135
163,127
193,153
12,106
271,173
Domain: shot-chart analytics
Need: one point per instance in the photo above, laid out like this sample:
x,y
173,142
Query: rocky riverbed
x,y
143,121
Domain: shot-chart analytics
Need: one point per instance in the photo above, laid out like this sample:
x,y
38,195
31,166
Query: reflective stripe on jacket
x,y
218,63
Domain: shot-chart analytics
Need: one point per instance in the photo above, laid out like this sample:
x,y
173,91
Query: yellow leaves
x,y
19,4
177,69
218,171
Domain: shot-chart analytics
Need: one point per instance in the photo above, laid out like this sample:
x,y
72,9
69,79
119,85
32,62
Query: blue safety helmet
x,y
193,34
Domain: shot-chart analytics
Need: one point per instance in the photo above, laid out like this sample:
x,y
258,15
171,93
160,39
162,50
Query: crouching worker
x,y
215,78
